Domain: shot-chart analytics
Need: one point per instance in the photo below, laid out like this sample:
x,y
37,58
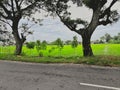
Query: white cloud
x,y
82,12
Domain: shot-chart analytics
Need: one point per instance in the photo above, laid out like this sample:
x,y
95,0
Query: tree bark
x,y
18,49
87,50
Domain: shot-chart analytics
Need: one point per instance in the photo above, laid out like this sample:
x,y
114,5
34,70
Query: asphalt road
x,y
28,76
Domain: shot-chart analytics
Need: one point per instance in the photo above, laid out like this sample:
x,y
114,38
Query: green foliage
x,y
30,45
44,45
74,44
38,45
59,43
41,46
107,37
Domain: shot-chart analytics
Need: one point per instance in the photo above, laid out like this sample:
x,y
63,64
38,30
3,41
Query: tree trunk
x,y
87,33
18,49
19,42
87,50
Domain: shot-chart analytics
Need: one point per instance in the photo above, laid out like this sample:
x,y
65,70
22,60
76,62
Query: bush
x,y
30,45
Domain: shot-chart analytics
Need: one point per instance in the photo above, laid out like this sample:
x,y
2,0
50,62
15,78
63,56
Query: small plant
x,y
60,45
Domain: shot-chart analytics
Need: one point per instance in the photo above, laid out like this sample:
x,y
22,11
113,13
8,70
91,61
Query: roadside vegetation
x,y
70,51
101,60
105,55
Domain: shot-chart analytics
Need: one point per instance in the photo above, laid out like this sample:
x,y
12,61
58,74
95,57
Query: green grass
x,y
96,60
105,55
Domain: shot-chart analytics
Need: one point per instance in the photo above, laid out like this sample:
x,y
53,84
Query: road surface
x,y
31,76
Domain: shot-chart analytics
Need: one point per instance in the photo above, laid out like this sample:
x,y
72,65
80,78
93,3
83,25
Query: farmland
x,y
67,51
105,55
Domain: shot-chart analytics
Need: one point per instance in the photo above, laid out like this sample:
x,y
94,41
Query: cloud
x,y
53,29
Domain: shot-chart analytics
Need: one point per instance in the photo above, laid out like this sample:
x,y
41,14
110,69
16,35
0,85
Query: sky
x,y
53,28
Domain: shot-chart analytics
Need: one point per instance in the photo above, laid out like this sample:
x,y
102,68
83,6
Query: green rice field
x,y
105,55
67,51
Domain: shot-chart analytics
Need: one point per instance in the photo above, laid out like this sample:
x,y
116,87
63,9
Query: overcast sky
x,y
52,28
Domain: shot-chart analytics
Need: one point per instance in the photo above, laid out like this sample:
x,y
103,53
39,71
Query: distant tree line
x,y
107,38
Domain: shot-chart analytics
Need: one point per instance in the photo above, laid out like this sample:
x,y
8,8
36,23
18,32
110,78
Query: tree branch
x,y
107,11
12,7
5,17
71,25
105,22
17,6
23,37
6,22
21,2
6,11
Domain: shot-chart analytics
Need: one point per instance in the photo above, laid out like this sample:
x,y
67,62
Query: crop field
x,y
105,55
67,51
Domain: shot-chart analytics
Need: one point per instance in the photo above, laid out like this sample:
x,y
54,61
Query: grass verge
x,y
96,60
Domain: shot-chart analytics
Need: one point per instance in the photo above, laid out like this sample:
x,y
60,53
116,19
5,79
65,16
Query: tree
x,y
106,38
102,39
116,39
59,44
101,15
12,11
74,43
